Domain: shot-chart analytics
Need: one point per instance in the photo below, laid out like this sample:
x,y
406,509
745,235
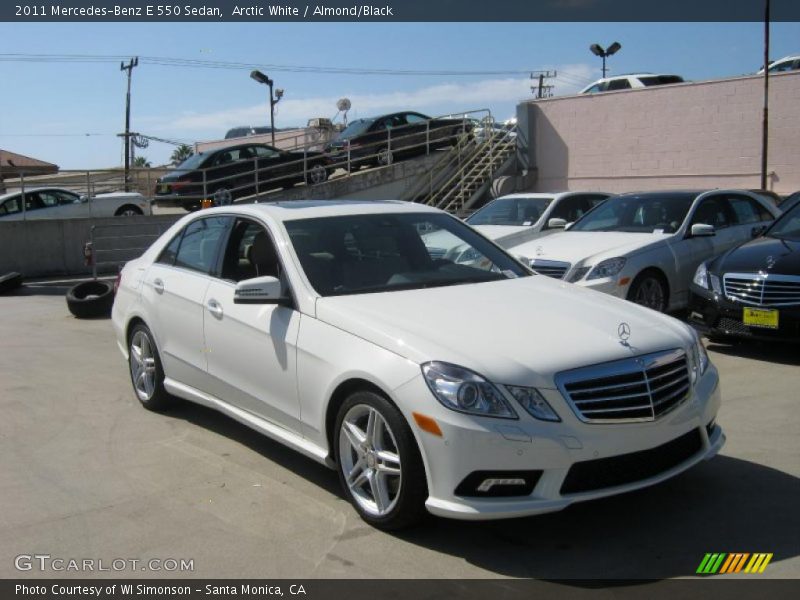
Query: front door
x,y
252,348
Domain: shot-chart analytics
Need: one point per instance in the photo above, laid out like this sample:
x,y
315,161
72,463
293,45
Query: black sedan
x,y
236,171
753,290
382,140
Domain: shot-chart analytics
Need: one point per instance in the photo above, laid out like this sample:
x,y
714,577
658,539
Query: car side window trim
x,y
215,263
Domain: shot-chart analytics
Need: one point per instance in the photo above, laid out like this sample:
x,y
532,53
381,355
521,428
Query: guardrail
x,y
254,175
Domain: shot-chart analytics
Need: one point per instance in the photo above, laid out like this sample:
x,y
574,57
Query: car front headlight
x,y
578,274
607,268
701,276
532,401
698,358
464,391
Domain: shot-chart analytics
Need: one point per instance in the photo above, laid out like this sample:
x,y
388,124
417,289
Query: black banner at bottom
x,y
337,589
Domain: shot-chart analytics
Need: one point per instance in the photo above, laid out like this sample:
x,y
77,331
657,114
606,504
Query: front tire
x,y
379,464
649,289
147,374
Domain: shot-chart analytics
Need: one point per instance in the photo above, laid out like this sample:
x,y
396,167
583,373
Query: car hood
x,y
517,331
575,246
756,255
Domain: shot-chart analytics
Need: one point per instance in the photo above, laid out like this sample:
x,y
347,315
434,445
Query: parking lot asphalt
x,y
89,474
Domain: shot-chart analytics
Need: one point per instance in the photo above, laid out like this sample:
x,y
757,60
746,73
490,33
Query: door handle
x,y
158,286
214,308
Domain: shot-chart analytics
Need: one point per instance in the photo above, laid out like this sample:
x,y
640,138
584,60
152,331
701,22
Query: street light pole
x,y
273,98
129,68
603,53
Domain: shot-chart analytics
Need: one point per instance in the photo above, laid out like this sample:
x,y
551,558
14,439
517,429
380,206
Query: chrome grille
x,y
551,268
762,289
633,389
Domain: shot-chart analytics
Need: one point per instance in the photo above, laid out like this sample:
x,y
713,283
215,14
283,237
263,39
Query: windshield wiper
x,y
417,285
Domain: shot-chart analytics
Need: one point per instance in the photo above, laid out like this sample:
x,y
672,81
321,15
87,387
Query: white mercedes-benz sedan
x,y
646,247
473,391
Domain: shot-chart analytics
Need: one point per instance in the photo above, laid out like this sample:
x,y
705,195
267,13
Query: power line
x,y
211,64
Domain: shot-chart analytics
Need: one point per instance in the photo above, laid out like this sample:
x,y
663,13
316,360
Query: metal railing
x,y
254,176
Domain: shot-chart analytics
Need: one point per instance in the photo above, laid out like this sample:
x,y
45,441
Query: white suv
x,y
627,82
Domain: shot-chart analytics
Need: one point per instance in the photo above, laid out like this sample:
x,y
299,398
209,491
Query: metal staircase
x,y
459,180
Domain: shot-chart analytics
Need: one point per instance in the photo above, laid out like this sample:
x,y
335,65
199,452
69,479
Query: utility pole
x,y
765,115
129,68
541,90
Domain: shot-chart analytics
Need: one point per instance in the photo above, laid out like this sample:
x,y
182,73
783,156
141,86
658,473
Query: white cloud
x,y
499,94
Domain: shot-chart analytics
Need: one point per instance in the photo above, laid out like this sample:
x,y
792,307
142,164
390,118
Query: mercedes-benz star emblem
x,y
539,251
624,331
770,262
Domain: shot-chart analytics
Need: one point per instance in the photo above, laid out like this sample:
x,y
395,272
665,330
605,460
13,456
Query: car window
x,y
359,254
199,244
511,211
65,198
714,211
412,118
787,65
747,210
788,226
48,199
250,252
264,152
647,213
169,253
618,84
10,206
33,202
226,156
571,208
597,87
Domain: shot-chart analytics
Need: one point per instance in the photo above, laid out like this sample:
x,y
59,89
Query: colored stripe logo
x,y
720,563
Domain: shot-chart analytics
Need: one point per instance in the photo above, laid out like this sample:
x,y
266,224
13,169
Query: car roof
x,y
290,210
37,189
548,194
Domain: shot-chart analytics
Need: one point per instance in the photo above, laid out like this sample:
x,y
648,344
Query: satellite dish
x,y
343,104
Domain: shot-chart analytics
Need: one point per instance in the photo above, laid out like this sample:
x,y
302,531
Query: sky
x,y
47,108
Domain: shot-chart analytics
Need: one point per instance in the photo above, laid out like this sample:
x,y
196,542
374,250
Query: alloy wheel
x,y
317,174
650,293
370,460
143,366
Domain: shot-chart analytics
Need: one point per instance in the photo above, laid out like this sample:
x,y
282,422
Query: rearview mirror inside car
x,y
703,230
260,290
556,223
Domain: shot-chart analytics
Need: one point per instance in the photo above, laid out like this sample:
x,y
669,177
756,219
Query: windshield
x,y
355,128
511,211
192,162
656,213
384,252
788,225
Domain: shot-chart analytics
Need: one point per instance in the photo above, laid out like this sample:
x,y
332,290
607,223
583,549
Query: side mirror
x,y
260,290
556,223
84,198
758,230
702,230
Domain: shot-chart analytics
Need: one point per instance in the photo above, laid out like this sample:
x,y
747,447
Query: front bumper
x,y
713,314
471,444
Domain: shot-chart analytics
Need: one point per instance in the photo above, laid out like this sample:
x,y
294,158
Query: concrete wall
x,y
694,135
55,247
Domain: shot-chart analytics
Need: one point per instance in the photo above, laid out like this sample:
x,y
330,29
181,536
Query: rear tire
x,y
147,374
385,157
91,299
379,464
128,210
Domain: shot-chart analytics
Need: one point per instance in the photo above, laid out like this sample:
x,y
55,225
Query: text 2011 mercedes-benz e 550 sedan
x,y
473,391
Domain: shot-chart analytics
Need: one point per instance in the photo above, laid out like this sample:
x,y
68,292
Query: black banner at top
x,y
398,10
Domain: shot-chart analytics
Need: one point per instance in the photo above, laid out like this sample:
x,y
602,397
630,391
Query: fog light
x,y
498,484
490,483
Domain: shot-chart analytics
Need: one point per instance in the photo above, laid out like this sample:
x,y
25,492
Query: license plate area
x,y
765,318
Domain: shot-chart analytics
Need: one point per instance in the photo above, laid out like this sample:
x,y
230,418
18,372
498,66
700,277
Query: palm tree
x,y
141,162
181,153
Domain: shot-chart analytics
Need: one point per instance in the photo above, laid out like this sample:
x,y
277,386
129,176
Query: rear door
x,y
749,214
173,294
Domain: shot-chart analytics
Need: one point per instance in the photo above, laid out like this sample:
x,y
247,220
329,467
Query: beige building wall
x,y
693,135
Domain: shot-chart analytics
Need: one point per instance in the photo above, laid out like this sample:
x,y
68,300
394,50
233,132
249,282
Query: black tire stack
x,y
91,299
